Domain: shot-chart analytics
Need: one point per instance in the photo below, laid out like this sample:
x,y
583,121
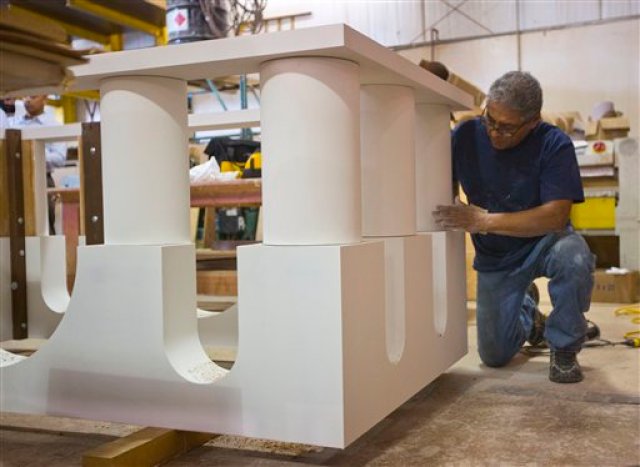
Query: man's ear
x,y
535,121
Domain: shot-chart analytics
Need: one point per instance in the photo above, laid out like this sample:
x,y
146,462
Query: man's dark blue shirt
x,y
541,168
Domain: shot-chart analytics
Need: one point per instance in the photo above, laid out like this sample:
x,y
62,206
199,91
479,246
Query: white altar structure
x,y
353,303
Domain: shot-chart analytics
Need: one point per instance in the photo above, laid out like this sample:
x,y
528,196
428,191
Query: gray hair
x,y
518,90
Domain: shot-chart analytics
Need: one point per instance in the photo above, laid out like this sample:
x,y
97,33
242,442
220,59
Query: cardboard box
x,y
607,128
566,121
616,288
597,152
461,83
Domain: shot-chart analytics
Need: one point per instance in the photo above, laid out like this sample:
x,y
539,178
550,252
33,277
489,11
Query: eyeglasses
x,y
507,131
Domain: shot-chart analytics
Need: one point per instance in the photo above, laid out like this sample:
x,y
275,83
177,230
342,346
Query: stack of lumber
x,y
33,53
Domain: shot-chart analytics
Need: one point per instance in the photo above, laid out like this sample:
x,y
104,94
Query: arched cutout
x,y
395,300
440,278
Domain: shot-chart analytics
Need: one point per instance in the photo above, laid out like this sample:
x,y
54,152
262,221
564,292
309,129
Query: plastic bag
x,y
206,172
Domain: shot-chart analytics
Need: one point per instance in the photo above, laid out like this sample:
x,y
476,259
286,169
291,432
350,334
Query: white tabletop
x,y
244,54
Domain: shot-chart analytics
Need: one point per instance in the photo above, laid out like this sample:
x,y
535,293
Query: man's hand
x,y
550,217
461,216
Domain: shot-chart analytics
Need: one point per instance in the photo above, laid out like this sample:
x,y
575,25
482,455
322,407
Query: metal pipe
x,y
244,132
215,92
510,33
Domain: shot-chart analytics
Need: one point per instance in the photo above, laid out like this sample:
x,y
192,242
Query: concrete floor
x,y
471,415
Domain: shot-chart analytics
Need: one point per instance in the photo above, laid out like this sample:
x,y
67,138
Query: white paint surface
x,y
318,340
311,151
47,295
433,164
144,143
388,160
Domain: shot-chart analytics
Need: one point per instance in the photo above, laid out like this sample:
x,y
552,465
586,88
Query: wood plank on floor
x,y
147,447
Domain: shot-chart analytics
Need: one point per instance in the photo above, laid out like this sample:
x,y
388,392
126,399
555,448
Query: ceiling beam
x,y
70,28
118,17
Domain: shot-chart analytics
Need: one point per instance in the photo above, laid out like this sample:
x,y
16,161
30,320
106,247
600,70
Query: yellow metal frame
x,y
118,17
115,42
93,95
69,109
71,29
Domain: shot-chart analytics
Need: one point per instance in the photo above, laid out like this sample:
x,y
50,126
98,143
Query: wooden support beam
x,y
240,192
223,283
27,190
209,227
13,161
147,447
91,180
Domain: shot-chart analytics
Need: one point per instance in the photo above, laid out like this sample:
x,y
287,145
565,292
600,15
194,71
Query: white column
x,y
433,163
311,151
388,160
145,168
41,199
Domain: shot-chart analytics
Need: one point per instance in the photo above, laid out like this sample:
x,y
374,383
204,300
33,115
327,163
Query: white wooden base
x,y
47,295
219,328
313,362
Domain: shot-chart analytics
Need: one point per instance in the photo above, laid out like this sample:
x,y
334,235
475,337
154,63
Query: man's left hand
x,y
462,217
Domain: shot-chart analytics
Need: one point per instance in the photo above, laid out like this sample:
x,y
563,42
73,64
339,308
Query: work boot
x,y
564,367
536,336
593,331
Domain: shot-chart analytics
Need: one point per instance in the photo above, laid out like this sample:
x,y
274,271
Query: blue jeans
x,y
505,311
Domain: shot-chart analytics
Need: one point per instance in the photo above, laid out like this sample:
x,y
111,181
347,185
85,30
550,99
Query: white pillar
x,y
433,163
388,160
41,200
311,151
145,168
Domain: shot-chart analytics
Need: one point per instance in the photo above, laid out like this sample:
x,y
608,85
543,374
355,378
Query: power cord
x,y
532,351
631,338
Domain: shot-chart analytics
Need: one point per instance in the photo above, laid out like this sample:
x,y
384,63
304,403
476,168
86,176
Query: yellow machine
x,y
253,166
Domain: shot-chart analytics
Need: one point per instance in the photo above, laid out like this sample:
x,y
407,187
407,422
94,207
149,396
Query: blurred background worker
x,y
55,153
7,112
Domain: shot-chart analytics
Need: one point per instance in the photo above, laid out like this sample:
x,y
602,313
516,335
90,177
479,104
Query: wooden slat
x,y
147,447
241,192
194,213
66,195
217,283
71,231
13,162
4,192
207,259
27,189
91,168
203,254
209,234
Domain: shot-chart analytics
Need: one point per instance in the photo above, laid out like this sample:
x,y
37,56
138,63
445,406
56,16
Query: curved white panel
x,y
395,298
219,329
441,285
145,170
388,161
433,163
310,143
53,263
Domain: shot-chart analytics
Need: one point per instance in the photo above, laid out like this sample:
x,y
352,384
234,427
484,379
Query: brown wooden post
x,y
209,234
91,164
13,161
